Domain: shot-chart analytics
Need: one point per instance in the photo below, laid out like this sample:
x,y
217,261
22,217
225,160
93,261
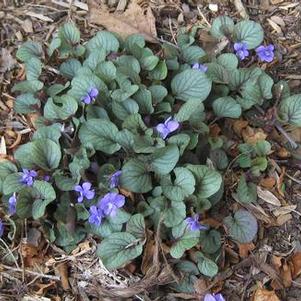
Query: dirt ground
x,y
265,263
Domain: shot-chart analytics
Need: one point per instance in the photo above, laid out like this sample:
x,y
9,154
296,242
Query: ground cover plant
x,y
122,147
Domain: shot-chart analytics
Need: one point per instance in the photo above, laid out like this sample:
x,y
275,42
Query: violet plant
x,y
120,120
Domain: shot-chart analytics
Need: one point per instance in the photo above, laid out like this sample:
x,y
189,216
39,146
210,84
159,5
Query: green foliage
x,y
108,111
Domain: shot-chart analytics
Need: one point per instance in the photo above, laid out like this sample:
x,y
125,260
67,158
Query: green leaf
x,y
135,124
246,192
144,99
228,61
290,110
217,73
248,32
103,39
242,227
33,68
106,71
180,140
125,139
135,177
55,43
79,163
159,72
28,86
43,153
187,109
182,187
52,132
28,50
26,198
60,107
81,84
70,33
101,134
208,181
226,107
187,240
125,108
206,266
26,103
192,54
105,229
191,85
128,62
56,89
119,249
158,93
259,164
136,226
147,60
133,41
263,148
164,159
65,183
210,241
175,214
12,183
219,158
95,57
222,26
69,68
6,168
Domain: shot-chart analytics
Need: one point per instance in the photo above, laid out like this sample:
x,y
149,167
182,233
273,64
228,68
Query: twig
x,y
203,17
241,9
56,278
278,126
11,253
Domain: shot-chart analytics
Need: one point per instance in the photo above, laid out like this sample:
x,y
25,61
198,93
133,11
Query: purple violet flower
x,y
84,191
110,203
114,179
194,224
1,228
265,53
200,67
46,178
12,204
28,177
241,50
90,96
95,216
214,297
170,125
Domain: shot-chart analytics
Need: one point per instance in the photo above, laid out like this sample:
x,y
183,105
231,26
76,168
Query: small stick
x,y
56,278
241,9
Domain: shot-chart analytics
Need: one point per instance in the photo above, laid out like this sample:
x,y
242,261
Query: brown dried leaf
x,y
6,60
252,136
284,210
286,275
147,259
62,270
134,20
239,125
268,196
43,288
268,182
244,249
276,261
262,294
296,264
282,219
283,153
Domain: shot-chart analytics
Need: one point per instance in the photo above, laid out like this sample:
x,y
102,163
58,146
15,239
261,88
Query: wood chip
x,y
27,26
275,26
38,16
3,146
268,196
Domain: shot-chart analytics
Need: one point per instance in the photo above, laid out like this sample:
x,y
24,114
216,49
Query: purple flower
x,y
95,215
265,53
1,228
114,179
170,125
214,297
200,67
12,204
28,177
46,178
194,224
110,203
241,50
84,191
90,96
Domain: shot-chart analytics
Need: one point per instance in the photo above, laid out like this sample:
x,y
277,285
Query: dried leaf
x,y
268,182
42,287
262,294
132,21
239,125
283,153
147,258
282,219
268,196
280,182
2,146
276,261
62,270
286,275
244,249
296,264
6,60
284,210
252,136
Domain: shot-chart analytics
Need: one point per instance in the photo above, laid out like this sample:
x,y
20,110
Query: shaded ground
x,y
279,236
